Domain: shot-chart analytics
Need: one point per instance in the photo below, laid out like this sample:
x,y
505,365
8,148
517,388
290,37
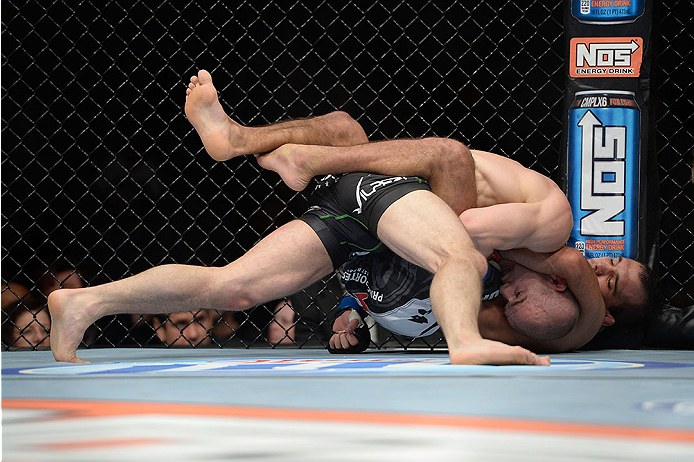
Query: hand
x,y
491,352
344,337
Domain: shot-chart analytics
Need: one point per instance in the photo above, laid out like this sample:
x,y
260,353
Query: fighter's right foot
x,y
222,137
69,321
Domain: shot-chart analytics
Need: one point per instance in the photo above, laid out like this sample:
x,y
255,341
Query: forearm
x,y
547,263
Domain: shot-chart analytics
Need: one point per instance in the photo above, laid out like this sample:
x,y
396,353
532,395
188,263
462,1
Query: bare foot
x,y
492,352
222,137
290,161
69,321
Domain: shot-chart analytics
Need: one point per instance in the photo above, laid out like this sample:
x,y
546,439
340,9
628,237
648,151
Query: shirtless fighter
x,y
418,226
515,207
534,310
532,209
522,207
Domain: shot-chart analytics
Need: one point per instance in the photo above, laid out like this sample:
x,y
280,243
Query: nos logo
x,y
603,166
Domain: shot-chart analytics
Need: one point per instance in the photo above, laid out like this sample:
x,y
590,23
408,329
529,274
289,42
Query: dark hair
x,y
51,276
654,304
650,307
30,303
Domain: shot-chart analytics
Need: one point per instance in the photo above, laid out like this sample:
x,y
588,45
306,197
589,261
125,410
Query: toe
x,y
204,77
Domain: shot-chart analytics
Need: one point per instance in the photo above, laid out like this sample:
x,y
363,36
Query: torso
x,y
393,291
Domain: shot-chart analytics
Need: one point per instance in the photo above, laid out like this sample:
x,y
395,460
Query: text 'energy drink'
x,y
606,11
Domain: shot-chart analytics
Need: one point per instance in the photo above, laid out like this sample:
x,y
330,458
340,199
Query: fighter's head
x,y
631,291
538,305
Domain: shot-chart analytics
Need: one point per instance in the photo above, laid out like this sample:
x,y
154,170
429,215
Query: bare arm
x,y
537,226
569,264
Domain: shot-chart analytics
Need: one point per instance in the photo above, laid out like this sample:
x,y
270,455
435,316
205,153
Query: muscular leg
x,y
447,165
224,138
332,143
421,228
289,259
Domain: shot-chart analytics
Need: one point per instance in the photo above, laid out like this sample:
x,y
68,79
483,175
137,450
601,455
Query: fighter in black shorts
x,y
420,226
344,210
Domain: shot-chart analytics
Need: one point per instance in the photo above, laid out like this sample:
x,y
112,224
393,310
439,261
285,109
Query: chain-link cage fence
x,y
103,176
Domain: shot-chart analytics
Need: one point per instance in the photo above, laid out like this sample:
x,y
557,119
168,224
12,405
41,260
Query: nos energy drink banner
x,y
603,177
607,128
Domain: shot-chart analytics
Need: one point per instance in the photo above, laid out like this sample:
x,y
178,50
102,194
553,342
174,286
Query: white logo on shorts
x,y
362,194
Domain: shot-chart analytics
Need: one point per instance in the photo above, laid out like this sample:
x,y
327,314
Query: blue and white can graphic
x,y
603,173
607,11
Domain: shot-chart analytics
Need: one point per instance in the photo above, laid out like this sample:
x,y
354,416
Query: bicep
x,y
502,226
538,226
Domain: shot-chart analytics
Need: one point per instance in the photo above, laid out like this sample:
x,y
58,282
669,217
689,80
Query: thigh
x,y
345,211
421,228
286,261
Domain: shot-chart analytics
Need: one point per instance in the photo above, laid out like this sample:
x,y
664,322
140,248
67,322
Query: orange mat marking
x,y
81,409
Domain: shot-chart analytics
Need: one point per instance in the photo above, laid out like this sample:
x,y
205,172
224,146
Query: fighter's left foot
x,y
70,317
222,137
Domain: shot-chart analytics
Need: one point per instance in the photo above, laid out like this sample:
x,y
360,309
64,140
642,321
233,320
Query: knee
x,y
467,258
349,131
452,156
233,293
476,260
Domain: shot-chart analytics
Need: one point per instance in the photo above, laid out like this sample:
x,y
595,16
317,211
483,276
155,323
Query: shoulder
x,y
491,159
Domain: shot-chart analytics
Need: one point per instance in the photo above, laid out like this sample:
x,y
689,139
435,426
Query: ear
x,y
559,283
609,319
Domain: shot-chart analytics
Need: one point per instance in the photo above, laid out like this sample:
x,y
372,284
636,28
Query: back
x,y
501,180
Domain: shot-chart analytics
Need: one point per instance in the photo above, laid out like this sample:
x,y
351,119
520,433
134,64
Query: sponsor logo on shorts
x,y
605,56
364,193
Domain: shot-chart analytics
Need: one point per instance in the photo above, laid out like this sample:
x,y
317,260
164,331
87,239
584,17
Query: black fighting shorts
x,y
344,210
